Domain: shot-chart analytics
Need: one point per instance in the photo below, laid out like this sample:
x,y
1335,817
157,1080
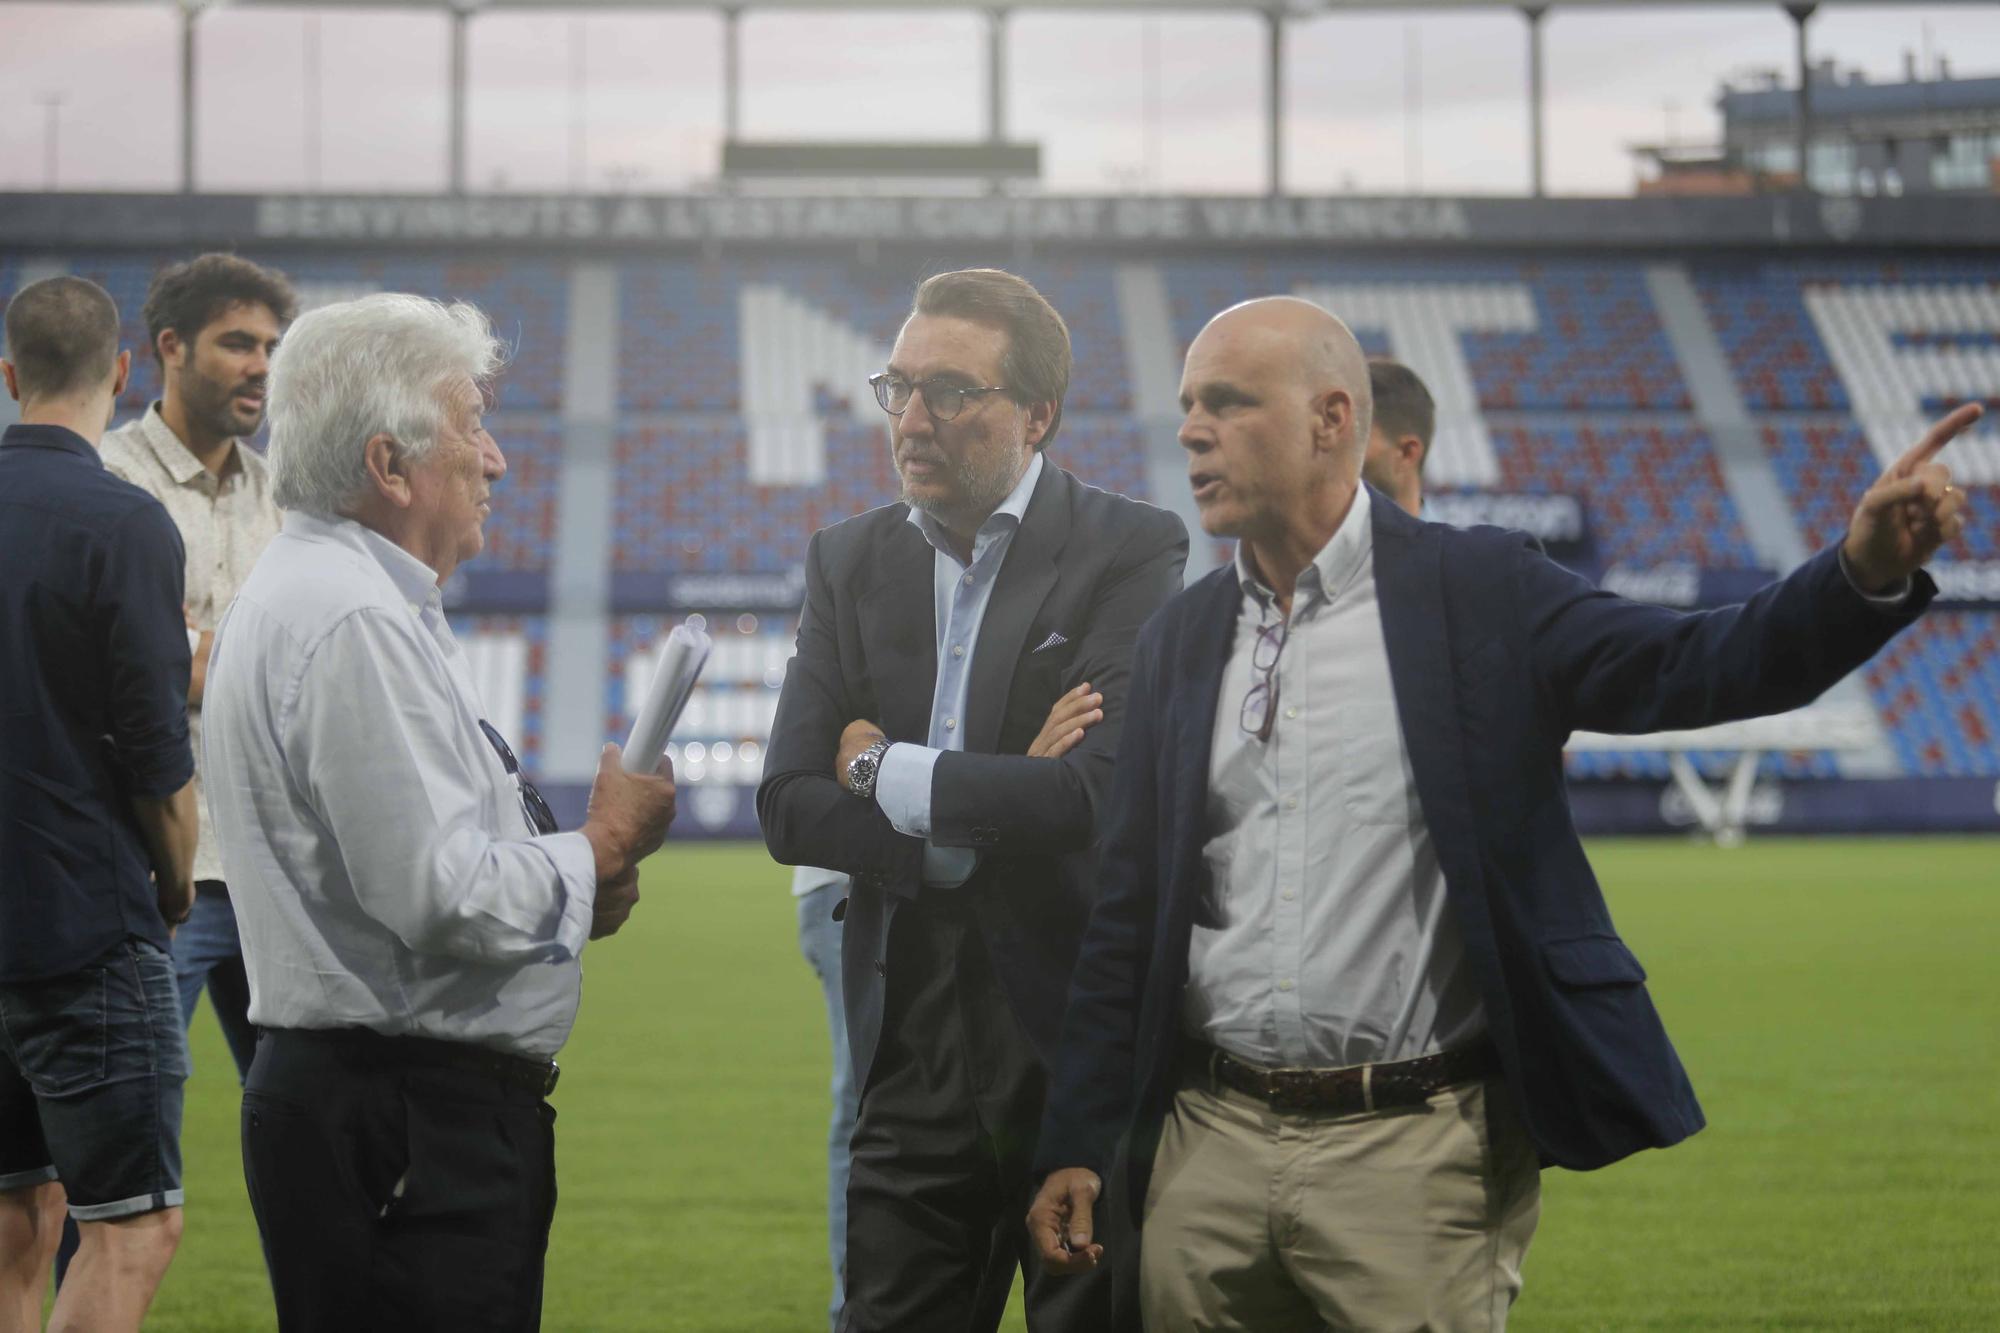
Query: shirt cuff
x,y
159,773
576,873
1883,601
194,639
810,879
903,788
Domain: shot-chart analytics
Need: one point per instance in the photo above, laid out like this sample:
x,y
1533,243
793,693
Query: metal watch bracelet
x,y
864,768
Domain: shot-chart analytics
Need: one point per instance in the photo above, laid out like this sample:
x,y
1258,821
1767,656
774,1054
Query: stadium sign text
x,y
65,221
705,219
737,592
1675,584
1555,520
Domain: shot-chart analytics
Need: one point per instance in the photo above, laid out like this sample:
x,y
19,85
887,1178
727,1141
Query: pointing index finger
x,y
1956,423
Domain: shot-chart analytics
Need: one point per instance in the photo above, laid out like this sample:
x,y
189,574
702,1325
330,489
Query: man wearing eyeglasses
x,y
945,738
1349,980
411,919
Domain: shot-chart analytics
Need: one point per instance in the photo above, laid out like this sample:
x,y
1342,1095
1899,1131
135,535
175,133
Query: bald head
x,y
1278,405
1311,345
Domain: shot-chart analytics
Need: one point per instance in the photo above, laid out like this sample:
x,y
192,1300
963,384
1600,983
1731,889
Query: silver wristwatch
x,y
864,768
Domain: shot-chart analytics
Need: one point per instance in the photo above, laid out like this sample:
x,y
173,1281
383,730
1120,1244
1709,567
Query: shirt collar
x,y
415,580
174,456
1008,514
60,438
1333,568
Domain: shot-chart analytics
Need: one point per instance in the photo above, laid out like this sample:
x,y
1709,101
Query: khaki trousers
x,y
1408,1219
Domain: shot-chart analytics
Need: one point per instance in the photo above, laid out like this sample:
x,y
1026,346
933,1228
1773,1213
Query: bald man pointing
x,y
1349,980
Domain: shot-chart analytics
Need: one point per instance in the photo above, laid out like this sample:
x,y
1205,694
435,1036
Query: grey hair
x,y
347,372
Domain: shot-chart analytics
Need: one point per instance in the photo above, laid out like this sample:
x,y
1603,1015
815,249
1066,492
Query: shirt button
x,y
968,580
951,724
1287,895
1285,984
1291,712
1291,803
958,650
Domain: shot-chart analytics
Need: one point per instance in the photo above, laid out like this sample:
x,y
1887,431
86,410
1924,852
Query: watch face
x,y
862,770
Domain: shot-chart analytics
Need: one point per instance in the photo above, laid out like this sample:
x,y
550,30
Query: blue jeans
x,y
819,941
207,953
91,1069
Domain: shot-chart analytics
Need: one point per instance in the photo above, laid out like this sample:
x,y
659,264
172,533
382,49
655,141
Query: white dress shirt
x,y
383,870
962,592
1327,940
225,522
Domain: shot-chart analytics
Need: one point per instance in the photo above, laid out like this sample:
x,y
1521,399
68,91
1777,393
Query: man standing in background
x,y
1399,443
97,832
213,323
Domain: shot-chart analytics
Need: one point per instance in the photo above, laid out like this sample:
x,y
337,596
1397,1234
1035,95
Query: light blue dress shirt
x,y
962,591
383,872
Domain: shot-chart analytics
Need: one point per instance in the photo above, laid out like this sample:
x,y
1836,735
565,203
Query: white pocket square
x,y
1055,640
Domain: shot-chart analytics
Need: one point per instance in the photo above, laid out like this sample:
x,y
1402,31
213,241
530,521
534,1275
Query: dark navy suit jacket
x,y
1497,654
1085,571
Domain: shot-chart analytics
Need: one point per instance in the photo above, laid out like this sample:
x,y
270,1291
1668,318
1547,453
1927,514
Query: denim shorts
x,y
92,1065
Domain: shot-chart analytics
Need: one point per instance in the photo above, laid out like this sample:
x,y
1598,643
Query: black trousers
x,y
939,1185
396,1195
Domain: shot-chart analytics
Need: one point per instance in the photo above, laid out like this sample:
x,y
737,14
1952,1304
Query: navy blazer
x,y
1497,654
1085,571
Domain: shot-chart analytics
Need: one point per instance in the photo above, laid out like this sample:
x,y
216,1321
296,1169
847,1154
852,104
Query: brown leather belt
x,y
1357,1088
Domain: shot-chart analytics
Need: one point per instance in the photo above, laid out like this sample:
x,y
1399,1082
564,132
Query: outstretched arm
x,y
1608,664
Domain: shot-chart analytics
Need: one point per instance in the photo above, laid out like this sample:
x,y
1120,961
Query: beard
x,y
978,484
212,406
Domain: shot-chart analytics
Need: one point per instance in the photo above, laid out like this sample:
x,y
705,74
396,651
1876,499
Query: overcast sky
x,y
1375,103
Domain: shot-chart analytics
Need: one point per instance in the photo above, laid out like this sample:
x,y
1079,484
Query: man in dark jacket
x,y
1349,979
945,737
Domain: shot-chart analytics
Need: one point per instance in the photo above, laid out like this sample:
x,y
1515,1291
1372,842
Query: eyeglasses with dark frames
x,y
943,399
540,818
1260,705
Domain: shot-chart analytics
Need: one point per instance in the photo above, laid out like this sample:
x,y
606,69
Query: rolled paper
x,y
681,661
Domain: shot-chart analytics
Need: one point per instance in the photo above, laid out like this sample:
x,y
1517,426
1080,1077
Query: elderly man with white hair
x,y
412,921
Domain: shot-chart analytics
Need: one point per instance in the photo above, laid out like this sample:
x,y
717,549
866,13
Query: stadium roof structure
x,y
1277,12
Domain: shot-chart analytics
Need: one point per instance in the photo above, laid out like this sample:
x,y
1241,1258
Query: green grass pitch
x,y
1837,1003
